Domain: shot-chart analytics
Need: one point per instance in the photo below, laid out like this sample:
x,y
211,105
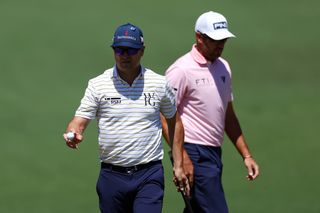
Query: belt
x,y
130,169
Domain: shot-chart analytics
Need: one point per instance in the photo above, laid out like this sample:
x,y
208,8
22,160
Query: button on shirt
x,y
128,116
203,90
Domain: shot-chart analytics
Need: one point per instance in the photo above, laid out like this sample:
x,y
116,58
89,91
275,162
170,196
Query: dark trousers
x,y
207,195
131,190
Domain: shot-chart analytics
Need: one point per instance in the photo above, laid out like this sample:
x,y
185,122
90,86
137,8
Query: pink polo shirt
x,y
203,90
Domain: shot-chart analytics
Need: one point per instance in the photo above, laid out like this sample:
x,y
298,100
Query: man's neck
x,y
129,75
209,59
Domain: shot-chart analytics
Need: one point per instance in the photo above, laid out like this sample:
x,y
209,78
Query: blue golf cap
x,y
128,35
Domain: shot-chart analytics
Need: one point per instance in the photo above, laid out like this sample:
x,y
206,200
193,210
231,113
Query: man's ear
x,y
198,38
142,50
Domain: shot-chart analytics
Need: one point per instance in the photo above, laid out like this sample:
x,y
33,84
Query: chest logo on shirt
x,y
203,82
223,78
113,101
207,81
149,99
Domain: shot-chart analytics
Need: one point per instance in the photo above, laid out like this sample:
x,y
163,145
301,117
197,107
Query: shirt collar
x,y
198,57
116,75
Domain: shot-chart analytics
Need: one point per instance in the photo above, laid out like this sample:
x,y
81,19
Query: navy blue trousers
x,y
129,191
207,195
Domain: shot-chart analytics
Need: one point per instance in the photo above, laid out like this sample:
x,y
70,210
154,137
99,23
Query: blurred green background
x,y
50,49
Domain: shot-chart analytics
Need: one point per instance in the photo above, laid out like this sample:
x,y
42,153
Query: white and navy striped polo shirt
x,y
128,116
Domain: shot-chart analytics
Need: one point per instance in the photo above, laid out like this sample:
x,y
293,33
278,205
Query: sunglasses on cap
x,y
130,51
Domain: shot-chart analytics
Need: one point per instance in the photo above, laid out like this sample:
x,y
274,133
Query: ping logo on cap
x,y
220,25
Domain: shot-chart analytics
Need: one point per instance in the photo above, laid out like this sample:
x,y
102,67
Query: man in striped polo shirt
x,y
202,81
127,101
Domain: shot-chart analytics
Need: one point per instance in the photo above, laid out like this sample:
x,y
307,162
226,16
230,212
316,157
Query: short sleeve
x,y
168,103
89,104
177,80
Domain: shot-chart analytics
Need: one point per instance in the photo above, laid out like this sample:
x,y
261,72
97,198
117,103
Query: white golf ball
x,y
70,136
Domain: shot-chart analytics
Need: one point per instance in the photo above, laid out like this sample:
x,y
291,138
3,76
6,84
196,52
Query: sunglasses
x,y
121,51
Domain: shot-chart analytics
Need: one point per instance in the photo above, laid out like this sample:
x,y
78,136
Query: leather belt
x,y
130,169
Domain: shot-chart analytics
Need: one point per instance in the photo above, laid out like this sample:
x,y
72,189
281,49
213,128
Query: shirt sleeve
x,y
89,103
168,104
230,96
178,81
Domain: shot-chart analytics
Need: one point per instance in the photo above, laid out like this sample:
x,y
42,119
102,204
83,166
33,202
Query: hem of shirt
x,y
83,116
204,144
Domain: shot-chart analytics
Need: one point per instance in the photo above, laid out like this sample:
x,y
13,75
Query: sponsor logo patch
x,y
220,25
126,37
113,101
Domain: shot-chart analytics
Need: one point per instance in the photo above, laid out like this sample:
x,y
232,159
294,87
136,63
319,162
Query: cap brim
x,y
127,44
221,34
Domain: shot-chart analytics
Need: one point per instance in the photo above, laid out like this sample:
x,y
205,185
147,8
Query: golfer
x,y
202,81
127,100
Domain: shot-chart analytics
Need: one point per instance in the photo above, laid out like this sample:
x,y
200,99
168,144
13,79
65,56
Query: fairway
x,y
50,49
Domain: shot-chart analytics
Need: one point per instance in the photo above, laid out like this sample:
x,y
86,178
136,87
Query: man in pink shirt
x,y
202,82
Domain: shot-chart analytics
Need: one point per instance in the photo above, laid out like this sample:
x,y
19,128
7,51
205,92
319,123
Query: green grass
x,y
49,50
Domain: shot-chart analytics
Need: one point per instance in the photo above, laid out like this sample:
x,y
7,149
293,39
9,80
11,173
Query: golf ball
x,y
70,136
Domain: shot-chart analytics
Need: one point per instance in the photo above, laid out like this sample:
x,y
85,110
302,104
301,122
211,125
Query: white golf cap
x,y
214,25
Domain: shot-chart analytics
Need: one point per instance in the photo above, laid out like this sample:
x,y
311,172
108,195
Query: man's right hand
x,y
181,180
188,167
73,143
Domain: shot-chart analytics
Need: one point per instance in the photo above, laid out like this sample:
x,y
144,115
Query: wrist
x,y
246,157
